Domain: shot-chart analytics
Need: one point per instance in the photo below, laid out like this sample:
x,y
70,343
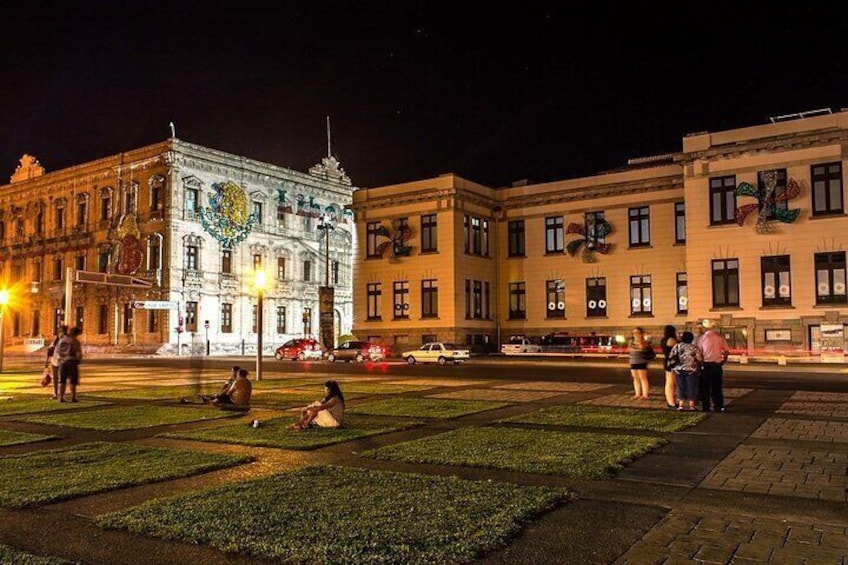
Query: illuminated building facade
x,y
192,222
745,227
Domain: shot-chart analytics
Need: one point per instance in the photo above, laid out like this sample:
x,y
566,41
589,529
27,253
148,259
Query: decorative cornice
x,y
788,142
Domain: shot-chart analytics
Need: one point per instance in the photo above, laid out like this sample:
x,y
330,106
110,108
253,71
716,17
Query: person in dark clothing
x,y
69,351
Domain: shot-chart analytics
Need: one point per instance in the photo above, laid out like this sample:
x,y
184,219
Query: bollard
x,y
781,359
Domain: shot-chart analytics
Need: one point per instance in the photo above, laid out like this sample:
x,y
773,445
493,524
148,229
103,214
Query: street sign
x,y
154,305
110,279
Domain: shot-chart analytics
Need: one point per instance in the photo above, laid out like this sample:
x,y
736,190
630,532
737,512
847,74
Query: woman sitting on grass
x,y
326,413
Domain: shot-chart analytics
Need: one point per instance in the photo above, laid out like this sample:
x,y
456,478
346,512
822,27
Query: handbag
x,y
650,354
47,378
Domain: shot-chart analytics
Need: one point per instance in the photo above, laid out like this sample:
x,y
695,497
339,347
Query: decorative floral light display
x,y
591,240
767,202
128,245
227,218
398,236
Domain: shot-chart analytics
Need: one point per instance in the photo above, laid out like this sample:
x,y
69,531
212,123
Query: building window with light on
x,y
373,300
830,278
401,300
682,293
553,235
192,202
725,283
596,297
776,282
517,301
555,298
679,222
281,319
226,318
429,234
281,268
641,301
257,262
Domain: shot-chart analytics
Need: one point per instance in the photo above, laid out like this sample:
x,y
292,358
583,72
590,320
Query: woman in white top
x,y
325,413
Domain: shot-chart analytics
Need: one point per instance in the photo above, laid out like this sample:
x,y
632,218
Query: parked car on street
x,y
520,345
358,351
436,352
300,349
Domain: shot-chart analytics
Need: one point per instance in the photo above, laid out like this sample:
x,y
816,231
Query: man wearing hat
x,y
715,350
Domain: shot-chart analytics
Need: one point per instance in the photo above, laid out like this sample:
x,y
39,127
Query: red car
x,y
300,350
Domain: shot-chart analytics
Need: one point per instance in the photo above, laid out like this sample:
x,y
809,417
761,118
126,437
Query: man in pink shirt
x,y
715,350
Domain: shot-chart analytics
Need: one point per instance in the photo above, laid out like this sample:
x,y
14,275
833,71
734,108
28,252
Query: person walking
x,y
668,342
69,351
685,359
641,352
715,351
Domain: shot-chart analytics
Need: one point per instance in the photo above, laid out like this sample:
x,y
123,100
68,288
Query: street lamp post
x,y
206,326
260,281
4,300
325,223
325,293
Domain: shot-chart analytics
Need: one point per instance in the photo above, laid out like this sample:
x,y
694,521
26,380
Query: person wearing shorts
x,y
69,351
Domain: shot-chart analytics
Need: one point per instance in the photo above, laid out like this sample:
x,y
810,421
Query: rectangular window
x,y
191,257
152,325
58,268
227,261
722,200
640,226
830,278
281,216
475,236
281,319
776,283
281,268
192,202
592,222
103,259
307,321
429,233
257,262
374,295
105,207
401,299
553,235
679,222
36,323
429,298
682,293
128,317
37,274
771,185
60,218
596,297
478,299
191,317
555,298
39,222
725,283
79,263
484,246
515,238
487,312
517,301
307,271
257,211
154,252
80,317
641,301
467,299
103,319
402,225
155,198
371,232
82,212
827,188
226,318
16,324
334,269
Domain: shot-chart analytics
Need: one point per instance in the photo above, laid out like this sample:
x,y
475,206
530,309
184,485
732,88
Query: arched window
x,y
106,204
131,198
82,209
59,215
154,251
157,187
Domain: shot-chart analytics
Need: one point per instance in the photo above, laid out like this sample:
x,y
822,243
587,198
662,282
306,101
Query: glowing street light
x,y
260,282
4,301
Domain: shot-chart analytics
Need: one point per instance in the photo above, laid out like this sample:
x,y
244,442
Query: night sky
x,y
543,90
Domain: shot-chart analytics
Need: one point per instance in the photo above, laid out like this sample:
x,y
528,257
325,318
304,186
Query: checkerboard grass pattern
x,y
130,417
606,417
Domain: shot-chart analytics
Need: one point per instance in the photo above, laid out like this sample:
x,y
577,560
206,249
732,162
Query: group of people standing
x,y
693,364
63,358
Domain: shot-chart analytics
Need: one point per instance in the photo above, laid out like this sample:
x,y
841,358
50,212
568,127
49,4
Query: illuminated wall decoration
x,y
768,201
397,238
128,253
227,218
591,240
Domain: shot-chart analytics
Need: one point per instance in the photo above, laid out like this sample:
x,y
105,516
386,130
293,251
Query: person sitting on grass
x,y
325,413
238,395
224,389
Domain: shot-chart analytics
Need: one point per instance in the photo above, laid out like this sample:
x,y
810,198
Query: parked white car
x,y
436,352
520,345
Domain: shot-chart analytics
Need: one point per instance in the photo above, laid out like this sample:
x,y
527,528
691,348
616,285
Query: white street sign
x,y
154,305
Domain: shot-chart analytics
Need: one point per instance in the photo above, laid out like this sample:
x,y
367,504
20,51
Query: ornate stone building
x,y
190,225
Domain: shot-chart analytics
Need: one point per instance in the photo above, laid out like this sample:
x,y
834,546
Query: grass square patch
x,y
273,433
164,392
19,557
425,407
59,474
347,515
603,417
381,388
130,417
9,437
579,455
31,405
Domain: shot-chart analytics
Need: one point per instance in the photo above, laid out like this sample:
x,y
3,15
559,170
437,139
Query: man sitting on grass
x,y
224,389
238,395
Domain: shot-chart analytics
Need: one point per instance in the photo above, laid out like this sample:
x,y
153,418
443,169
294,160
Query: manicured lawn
x,y
48,476
29,405
609,417
164,392
8,437
273,433
328,515
425,407
13,556
380,388
131,417
285,398
580,455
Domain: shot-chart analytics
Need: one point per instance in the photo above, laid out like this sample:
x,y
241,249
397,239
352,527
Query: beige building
x,y
742,227
191,225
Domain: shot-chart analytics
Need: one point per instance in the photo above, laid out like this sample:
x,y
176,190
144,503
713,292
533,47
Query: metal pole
x,y
259,335
69,294
2,337
327,255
